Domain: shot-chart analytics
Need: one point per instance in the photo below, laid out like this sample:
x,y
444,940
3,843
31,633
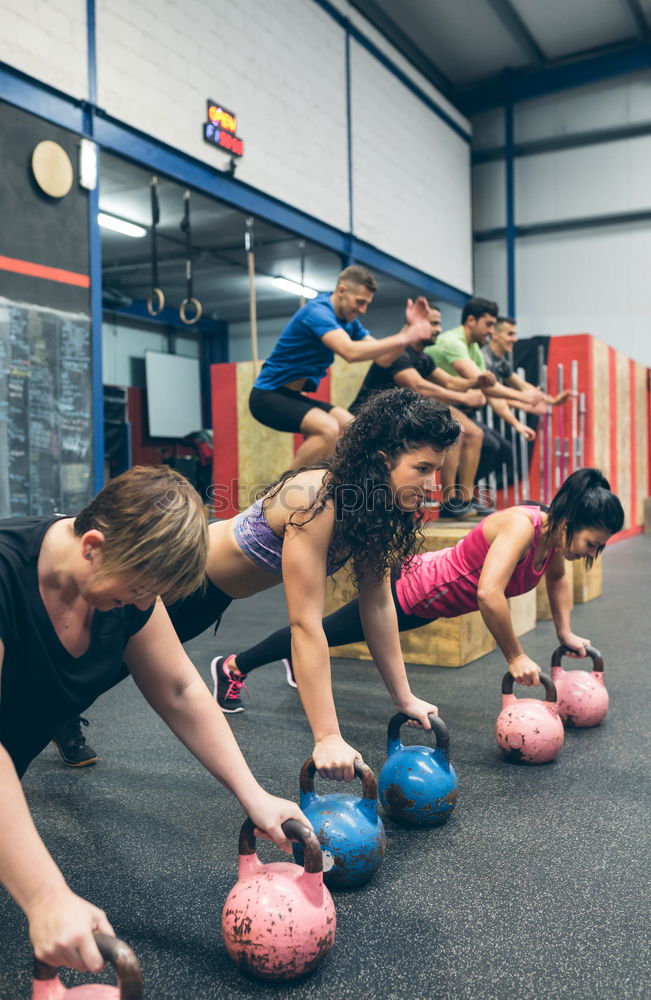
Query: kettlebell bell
x,y
529,730
279,920
582,695
46,984
417,784
348,828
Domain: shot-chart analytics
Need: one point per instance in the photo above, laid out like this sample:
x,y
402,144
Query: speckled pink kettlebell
x,y
527,729
279,919
582,696
46,984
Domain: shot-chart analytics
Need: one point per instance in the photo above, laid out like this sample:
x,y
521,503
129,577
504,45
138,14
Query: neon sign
x,y
220,129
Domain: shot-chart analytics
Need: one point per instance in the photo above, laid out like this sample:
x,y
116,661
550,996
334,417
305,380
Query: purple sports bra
x,y
263,546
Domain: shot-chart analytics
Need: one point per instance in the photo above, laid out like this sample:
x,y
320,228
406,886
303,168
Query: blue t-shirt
x,y
300,352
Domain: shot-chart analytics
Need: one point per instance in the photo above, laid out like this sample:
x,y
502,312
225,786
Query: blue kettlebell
x,y
417,784
349,830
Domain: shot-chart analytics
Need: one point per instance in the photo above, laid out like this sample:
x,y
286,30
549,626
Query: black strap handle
x,y
293,830
439,729
547,683
362,771
594,654
190,309
156,298
121,957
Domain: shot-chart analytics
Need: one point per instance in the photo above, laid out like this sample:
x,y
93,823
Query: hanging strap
x,y
190,309
156,298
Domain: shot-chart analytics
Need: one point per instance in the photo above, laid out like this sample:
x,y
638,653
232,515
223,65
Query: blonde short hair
x,y
155,528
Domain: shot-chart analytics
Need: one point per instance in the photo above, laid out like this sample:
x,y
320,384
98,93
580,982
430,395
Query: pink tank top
x,y
444,584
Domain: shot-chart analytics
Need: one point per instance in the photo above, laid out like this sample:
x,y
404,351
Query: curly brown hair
x,y
370,528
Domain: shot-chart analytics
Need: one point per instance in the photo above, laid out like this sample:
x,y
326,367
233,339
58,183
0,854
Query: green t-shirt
x,y
451,346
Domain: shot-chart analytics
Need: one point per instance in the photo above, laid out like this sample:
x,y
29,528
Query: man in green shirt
x,y
458,352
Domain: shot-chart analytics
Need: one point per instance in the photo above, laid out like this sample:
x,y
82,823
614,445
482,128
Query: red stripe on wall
x,y
225,463
322,393
33,270
612,392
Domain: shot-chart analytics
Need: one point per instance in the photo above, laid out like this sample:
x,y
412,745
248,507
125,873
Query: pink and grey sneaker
x,y
291,680
227,685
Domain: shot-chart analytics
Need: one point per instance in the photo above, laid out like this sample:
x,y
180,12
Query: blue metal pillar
x,y
510,207
95,264
349,149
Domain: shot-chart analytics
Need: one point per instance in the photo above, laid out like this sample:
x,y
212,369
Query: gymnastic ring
x,y
198,309
155,302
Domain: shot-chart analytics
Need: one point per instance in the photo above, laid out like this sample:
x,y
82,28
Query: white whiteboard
x,y
173,394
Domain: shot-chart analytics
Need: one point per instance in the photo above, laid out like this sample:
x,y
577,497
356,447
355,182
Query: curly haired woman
x,y
359,505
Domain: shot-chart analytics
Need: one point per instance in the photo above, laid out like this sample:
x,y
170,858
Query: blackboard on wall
x,y
45,410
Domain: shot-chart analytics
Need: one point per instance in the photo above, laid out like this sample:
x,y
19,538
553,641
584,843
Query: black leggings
x,y
342,627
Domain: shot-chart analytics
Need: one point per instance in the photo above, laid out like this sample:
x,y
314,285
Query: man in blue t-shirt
x,y
306,348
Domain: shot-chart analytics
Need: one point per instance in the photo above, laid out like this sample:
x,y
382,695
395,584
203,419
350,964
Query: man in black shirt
x,y
498,353
417,370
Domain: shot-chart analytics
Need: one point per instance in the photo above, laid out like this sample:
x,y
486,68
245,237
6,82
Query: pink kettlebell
x,y
582,696
47,985
279,920
527,729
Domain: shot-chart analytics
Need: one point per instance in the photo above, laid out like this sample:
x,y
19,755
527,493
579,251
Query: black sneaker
x,y
482,509
71,744
457,512
291,680
227,686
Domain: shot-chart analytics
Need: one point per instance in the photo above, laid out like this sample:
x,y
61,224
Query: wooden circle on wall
x,y
52,168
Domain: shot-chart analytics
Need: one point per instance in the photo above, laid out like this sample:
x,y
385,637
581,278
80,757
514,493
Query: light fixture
x,y
120,225
292,286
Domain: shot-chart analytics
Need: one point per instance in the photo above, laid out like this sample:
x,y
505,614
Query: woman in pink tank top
x,y
506,554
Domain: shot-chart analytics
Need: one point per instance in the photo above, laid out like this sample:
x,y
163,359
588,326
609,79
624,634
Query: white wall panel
x,y
611,103
594,281
489,195
122,345
278,66
590,180
411,176
47,40
490,272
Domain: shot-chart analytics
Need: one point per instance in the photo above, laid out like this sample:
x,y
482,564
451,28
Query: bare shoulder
x,y
295,500
515,521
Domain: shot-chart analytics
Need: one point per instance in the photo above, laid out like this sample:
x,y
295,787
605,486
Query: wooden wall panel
x,y
263,453
641,432
622,459
345,380
600,406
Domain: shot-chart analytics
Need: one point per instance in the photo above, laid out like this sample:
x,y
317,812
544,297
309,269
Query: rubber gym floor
x,y
536,889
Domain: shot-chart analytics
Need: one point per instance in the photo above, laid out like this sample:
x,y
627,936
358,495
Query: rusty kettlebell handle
x,y
362,771
594,654
121,957
439,729
550,688
293,830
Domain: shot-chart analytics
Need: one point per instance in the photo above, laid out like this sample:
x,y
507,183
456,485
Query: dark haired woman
x,y
358,505
507,554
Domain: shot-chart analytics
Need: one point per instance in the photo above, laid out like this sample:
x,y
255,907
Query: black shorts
x,y
283,409
194,614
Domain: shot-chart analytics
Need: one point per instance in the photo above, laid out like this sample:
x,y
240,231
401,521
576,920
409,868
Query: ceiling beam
x,y
523,85
512,21
403,43
637,12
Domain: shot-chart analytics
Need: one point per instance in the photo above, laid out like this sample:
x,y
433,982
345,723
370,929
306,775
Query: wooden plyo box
x,y
543,611
588,583
446,642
